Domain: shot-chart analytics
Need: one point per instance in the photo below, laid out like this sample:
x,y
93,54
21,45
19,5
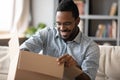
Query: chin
x,y
63,37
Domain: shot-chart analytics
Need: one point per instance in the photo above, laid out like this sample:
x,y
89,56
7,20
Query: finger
x,y
62,57
71,61
68,62
68,58
61,61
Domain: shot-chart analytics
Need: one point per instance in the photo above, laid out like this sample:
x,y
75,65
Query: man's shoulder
x,y
88,40
85,37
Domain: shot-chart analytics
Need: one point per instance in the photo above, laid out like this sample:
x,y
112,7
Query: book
x,y
109,30
113,9
80,4
114,29
100,30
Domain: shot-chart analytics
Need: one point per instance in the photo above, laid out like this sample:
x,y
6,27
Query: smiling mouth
x,y
65,30
65,34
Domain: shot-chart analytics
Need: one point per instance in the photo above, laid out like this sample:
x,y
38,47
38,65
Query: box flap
x,y
40,64
14,54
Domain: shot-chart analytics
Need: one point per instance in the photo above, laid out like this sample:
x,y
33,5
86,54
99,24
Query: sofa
x,y
109,64
4,62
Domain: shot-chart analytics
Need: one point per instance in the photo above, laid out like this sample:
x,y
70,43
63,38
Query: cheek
x,y
72,27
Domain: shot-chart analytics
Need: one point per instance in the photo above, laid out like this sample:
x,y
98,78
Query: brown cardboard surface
x,y
28,75
38,67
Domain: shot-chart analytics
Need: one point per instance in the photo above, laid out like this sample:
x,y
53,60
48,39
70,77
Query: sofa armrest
x,y
109,63
4,62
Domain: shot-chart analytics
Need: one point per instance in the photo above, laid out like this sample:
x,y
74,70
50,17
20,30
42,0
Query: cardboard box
x,y
32,66
26,65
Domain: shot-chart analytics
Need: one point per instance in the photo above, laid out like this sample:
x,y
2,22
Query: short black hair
x,y
69,5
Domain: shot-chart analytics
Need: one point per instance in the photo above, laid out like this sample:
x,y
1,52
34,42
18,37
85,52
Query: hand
x,y
67,60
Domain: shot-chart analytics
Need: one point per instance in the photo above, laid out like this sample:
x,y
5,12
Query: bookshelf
x,y
101,12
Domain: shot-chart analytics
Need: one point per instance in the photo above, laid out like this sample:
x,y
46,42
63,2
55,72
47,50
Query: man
x,y
66,42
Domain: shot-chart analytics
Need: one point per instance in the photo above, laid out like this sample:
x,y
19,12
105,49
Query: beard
x,y
68,35
65,34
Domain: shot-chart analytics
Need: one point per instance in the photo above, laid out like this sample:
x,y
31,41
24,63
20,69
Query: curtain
x,y
21,15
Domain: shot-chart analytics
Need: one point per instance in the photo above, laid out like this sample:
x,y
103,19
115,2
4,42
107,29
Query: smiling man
x,y
67,25
67,42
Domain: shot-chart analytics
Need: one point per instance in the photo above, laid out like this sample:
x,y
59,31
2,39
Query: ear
x,y
77,20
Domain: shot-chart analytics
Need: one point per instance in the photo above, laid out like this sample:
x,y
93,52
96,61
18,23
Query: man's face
x,y
65,23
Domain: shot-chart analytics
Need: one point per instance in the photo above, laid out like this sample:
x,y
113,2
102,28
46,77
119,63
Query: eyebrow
x,y
64,22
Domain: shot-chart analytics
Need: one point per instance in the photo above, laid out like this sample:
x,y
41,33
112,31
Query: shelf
x,y
5,37
97,12
103,39
98,17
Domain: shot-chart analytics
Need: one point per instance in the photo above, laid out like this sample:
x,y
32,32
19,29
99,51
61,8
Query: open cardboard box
x,y
26,65
32,66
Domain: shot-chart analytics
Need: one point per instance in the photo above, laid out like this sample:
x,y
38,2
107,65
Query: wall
x,y
43,11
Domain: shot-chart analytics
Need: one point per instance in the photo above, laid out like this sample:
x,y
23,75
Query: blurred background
x,y
100,19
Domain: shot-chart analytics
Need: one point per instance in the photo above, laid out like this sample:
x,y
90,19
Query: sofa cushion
x,y
109,63
4,62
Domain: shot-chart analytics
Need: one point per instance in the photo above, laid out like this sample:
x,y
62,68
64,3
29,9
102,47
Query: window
x,y
6,15
14,14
